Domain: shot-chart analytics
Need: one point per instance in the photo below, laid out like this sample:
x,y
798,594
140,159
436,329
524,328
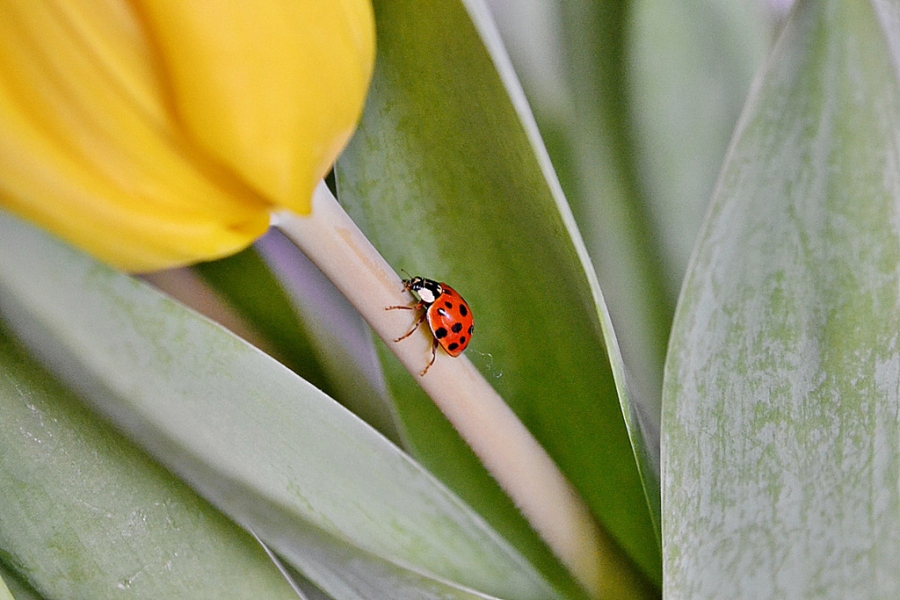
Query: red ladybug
x,y
449,316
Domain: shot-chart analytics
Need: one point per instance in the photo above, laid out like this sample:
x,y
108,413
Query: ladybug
x,y
449,316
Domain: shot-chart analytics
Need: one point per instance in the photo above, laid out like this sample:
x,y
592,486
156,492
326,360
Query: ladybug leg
x,y
414,306
434,345
415,325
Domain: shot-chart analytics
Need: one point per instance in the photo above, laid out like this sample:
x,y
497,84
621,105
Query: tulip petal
x,y
95,144
282,127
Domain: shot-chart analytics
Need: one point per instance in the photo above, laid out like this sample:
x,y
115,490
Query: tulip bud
x,y
158,133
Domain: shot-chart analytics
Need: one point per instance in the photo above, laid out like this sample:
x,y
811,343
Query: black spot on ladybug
x,y
448,304
457,327
463,310
452,346
462,339
471,328
440,332
443,312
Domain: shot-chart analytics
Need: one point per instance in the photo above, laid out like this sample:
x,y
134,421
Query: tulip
x,y
156,133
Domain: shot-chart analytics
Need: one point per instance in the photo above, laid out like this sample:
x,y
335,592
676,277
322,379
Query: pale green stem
x,y
509,452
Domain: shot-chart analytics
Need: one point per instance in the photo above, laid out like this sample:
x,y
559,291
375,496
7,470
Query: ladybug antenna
x,y
408,276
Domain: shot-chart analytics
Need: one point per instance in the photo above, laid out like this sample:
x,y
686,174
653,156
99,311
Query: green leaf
x,y
6,594
636,102
448,178
306,322
16,587
329,494
86,514
252,289
595,156
689,67
780,430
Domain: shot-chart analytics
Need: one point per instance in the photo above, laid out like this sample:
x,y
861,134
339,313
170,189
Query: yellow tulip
x,y
155,133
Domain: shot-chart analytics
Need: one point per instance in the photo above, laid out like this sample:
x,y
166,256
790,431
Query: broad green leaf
x,y
781,442
310,327
448,178
571,56
689,66
341,339
85,514
248,285
5,593
587,123
15,587
637,102
325,491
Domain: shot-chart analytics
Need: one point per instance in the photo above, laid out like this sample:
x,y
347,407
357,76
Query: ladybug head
x,y
426,289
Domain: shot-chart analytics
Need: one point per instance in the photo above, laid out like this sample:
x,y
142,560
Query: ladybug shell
x,y
450,320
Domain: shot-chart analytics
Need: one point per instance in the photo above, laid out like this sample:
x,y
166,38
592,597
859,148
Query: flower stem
x,y
507,449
